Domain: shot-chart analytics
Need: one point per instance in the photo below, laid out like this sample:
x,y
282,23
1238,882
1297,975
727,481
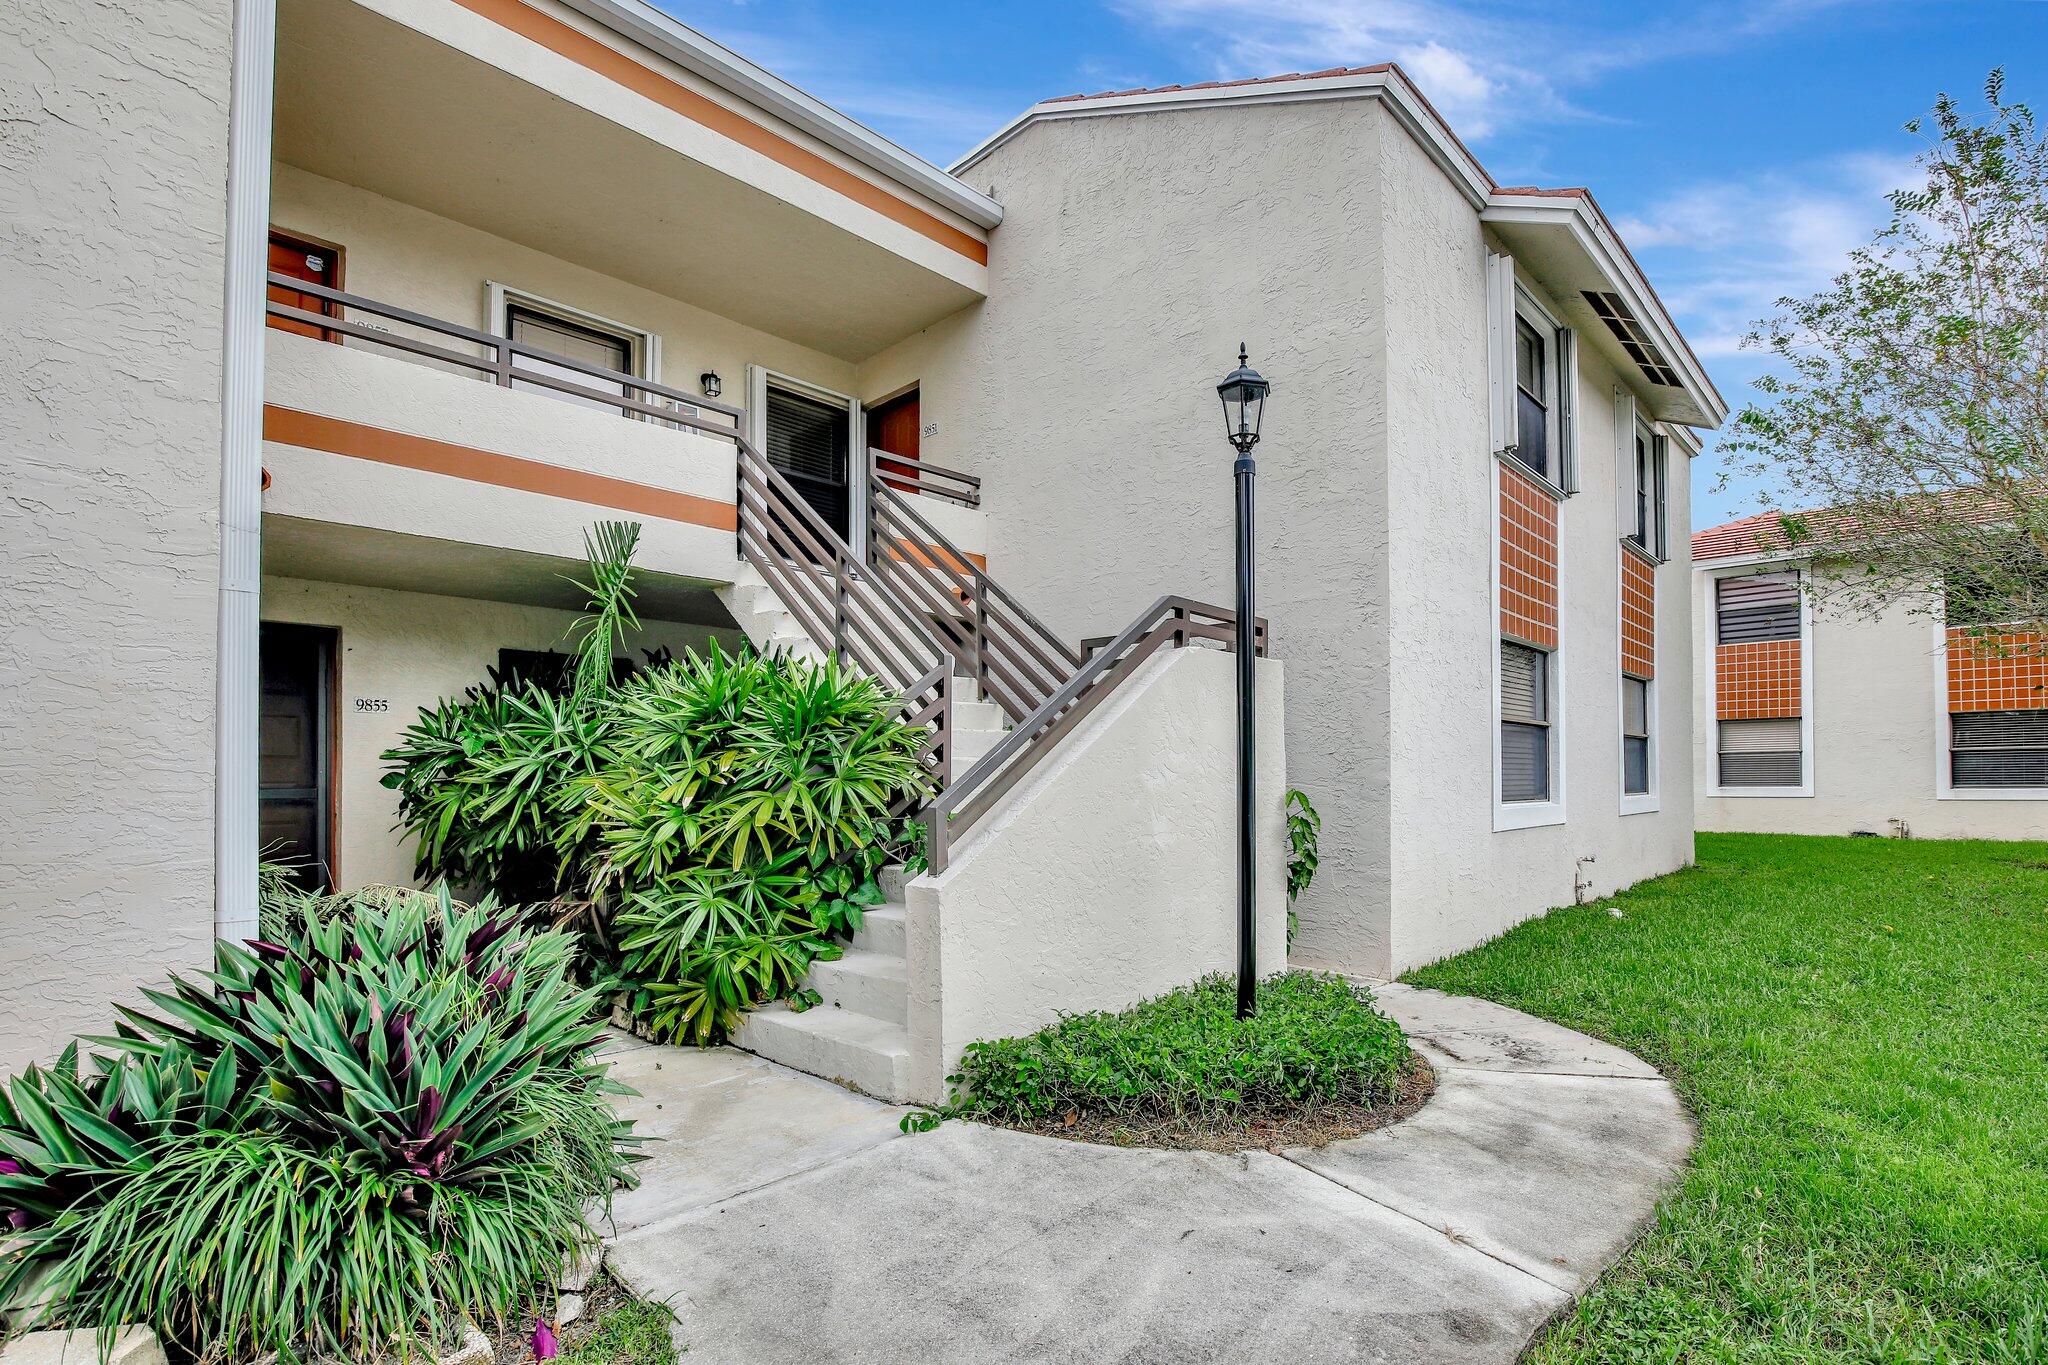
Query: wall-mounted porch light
x,y
713,386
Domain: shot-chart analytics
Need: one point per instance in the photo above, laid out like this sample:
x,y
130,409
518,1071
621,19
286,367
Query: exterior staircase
x,y
858,1034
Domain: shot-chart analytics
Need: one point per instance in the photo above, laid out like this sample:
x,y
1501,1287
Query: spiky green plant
x,y
332,1143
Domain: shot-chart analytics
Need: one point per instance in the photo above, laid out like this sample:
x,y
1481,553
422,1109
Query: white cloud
x,y
1724,252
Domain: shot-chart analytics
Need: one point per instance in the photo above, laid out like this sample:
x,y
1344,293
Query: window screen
x,y
558,336
1998,748
1532,399
1756,607
808,440
1524,723
1648,519
1761,753
1635,736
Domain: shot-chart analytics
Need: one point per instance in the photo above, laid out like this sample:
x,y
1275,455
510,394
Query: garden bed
x,y
1314,1064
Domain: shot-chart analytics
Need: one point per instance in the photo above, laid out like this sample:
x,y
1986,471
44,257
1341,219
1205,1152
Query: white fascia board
x,y
1591,234
1403,100
691,50
1751,561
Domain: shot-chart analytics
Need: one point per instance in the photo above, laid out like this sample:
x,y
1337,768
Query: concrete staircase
x,y
858,1035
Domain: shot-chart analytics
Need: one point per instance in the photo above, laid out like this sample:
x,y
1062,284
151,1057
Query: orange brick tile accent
x,y
1528,561
1996,672
1757,681
1638,615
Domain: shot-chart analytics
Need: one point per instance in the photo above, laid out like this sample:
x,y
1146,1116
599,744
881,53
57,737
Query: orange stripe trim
x,y
291,427
588,52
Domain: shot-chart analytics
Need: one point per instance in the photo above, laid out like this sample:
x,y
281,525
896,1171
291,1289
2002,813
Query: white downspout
x,y
241,471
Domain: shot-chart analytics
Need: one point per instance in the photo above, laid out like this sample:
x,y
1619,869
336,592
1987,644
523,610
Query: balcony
x,y
408,451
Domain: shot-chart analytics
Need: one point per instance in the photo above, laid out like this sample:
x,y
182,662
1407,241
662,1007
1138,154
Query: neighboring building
x,y
526,264
1821,719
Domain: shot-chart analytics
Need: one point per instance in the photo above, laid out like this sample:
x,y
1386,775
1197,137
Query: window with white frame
x,y
1649,525
1635,736
1998,748
591,342
1525,723
1533,365
1760,745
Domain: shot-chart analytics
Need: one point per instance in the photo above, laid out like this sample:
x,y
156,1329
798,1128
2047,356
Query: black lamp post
x,y
1244,404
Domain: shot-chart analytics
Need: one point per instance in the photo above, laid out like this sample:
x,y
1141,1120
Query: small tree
x,y
1912,402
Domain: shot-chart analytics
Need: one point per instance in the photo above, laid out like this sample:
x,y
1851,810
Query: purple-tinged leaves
x,y
545,1347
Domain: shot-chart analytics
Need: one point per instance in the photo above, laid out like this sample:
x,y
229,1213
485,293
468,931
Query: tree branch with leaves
x,y
1909,405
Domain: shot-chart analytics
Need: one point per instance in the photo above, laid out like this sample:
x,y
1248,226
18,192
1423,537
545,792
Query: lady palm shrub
x,y
722,817
737,820
332,1144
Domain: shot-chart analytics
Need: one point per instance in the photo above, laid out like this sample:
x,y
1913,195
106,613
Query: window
x,y
1532,398
1998,748
809,440
1635,736
1647,526
1756,607
574,341
1761,753
1524,723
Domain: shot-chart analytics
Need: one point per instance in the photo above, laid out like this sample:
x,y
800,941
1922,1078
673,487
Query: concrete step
x,y
865,1054
863,982
893,879
882,931
969,714
970,745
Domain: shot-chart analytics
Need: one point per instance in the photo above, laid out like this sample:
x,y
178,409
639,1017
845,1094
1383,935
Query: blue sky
x,y
1743,147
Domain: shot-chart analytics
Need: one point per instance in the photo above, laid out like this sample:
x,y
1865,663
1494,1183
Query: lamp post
x,y
1243,392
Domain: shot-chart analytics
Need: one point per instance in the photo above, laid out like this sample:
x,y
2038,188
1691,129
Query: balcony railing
x,y
498,359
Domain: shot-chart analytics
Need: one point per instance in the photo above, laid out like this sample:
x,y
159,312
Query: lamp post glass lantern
x,y
1243,392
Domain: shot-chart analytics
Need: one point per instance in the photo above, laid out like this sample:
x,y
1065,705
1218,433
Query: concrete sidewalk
x,y
786,1219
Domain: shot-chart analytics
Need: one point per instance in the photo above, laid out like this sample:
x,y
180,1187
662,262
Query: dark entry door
x,y
809,441
294,748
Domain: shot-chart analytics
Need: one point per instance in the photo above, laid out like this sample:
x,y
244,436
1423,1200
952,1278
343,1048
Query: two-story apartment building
x,y
338,337
1819,717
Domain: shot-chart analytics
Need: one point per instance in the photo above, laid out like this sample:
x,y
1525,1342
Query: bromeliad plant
x,y
332,1144
717,821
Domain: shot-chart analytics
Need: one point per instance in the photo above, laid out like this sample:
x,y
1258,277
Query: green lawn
x,y
1861,1028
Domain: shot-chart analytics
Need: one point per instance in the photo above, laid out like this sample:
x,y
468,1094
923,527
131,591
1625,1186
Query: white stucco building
x,y
1816,718
435,284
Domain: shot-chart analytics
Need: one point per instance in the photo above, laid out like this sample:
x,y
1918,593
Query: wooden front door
x,y
893,429
314,262
294,752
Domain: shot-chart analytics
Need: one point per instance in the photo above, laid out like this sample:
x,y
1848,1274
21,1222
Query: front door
x,y
810,441
893,430
293,758
313,262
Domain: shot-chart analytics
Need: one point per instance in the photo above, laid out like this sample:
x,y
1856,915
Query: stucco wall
x,y
389,393
113,166
1879,737
396,253
410,650
1108,876
1127,270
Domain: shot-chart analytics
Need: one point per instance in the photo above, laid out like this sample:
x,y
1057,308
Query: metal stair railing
x,y
1012,657
1171,622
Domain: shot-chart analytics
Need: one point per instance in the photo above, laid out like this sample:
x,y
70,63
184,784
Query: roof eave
x,y
1578,214
691,50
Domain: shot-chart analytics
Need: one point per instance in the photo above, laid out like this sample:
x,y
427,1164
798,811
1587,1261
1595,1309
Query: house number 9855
x,y
373,703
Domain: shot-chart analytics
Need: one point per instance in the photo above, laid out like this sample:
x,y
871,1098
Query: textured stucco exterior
x,y
1879,726
1109,875
1124,274
1083,391
393,394
408,650
113,166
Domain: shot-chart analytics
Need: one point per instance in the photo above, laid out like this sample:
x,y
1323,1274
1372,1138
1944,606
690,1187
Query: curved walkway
x,y
786,1219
